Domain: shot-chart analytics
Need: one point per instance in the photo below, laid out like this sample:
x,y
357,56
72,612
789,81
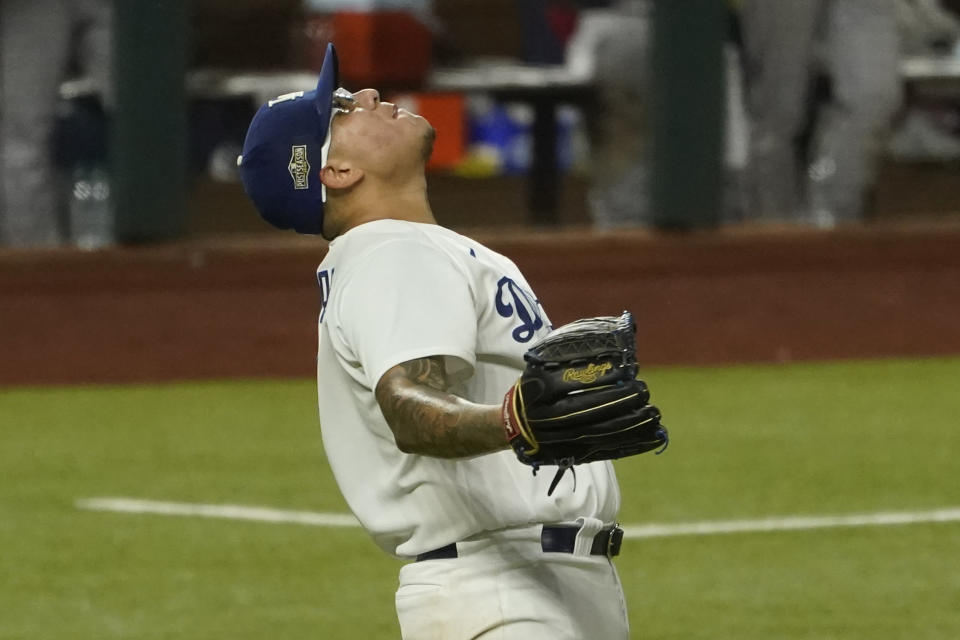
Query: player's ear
x,y
340,175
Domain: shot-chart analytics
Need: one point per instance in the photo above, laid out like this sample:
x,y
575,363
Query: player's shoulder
x,y
381,239
390,249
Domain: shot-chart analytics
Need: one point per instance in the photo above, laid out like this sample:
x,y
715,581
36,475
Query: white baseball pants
x,y
504,587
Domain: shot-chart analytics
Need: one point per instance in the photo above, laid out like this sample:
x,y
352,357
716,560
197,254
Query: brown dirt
x,y
246,307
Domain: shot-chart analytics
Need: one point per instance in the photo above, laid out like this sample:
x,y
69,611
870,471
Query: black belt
x,y
553,539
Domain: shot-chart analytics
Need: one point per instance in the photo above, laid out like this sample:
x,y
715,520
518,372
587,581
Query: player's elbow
x,y
405,442
409,437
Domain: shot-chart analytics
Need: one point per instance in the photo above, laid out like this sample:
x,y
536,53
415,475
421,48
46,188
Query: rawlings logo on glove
x,y
579,400
587,375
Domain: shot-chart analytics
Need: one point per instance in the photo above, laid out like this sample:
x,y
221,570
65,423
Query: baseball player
x,y
36,45
856,43
421,331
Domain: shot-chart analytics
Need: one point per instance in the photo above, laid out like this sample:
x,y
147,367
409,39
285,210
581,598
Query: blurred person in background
x,y
38,41
856,44
611,46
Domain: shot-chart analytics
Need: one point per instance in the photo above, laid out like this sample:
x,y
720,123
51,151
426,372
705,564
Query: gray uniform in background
x,y
37,40
612,46
855,42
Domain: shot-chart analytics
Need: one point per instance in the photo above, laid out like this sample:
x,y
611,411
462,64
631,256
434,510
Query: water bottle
x,y
91,213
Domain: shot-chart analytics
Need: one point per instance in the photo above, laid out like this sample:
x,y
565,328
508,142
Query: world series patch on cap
x,y
285,148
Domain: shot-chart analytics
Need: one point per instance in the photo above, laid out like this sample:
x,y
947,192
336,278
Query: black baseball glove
x,y
579,399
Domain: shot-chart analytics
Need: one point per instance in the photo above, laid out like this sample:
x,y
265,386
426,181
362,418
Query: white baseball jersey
x,y
394,291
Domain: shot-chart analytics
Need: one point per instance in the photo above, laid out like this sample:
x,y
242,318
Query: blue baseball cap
x,y
285,148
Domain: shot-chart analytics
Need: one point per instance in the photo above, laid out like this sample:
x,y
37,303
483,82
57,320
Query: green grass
x,y
748,442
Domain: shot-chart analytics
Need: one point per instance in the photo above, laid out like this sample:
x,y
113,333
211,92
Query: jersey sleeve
x,y
405,300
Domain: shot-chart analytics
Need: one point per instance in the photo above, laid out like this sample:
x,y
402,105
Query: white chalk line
x,y
709,527
221,511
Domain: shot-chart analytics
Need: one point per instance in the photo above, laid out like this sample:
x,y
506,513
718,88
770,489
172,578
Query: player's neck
x,y
409,203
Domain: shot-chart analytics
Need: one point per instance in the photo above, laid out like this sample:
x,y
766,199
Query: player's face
x,y
380,137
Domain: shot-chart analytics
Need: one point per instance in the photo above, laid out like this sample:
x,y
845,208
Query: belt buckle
x,y
614,541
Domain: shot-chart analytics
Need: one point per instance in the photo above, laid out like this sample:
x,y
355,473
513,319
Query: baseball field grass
x,y
760,445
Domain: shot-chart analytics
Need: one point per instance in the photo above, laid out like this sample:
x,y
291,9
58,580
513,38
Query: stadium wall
x,y
247,307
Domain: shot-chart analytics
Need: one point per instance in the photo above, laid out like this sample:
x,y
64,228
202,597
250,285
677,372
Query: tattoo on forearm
x,y
426,419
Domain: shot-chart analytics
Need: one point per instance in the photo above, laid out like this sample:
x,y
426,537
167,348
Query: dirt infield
x,y
247,307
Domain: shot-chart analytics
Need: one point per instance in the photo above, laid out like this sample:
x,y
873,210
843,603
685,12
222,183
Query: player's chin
x,y
429,136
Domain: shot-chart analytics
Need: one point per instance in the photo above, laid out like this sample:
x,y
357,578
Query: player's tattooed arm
x,y
427,420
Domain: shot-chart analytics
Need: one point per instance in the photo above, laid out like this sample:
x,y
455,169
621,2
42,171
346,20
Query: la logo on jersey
x,y
514,301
